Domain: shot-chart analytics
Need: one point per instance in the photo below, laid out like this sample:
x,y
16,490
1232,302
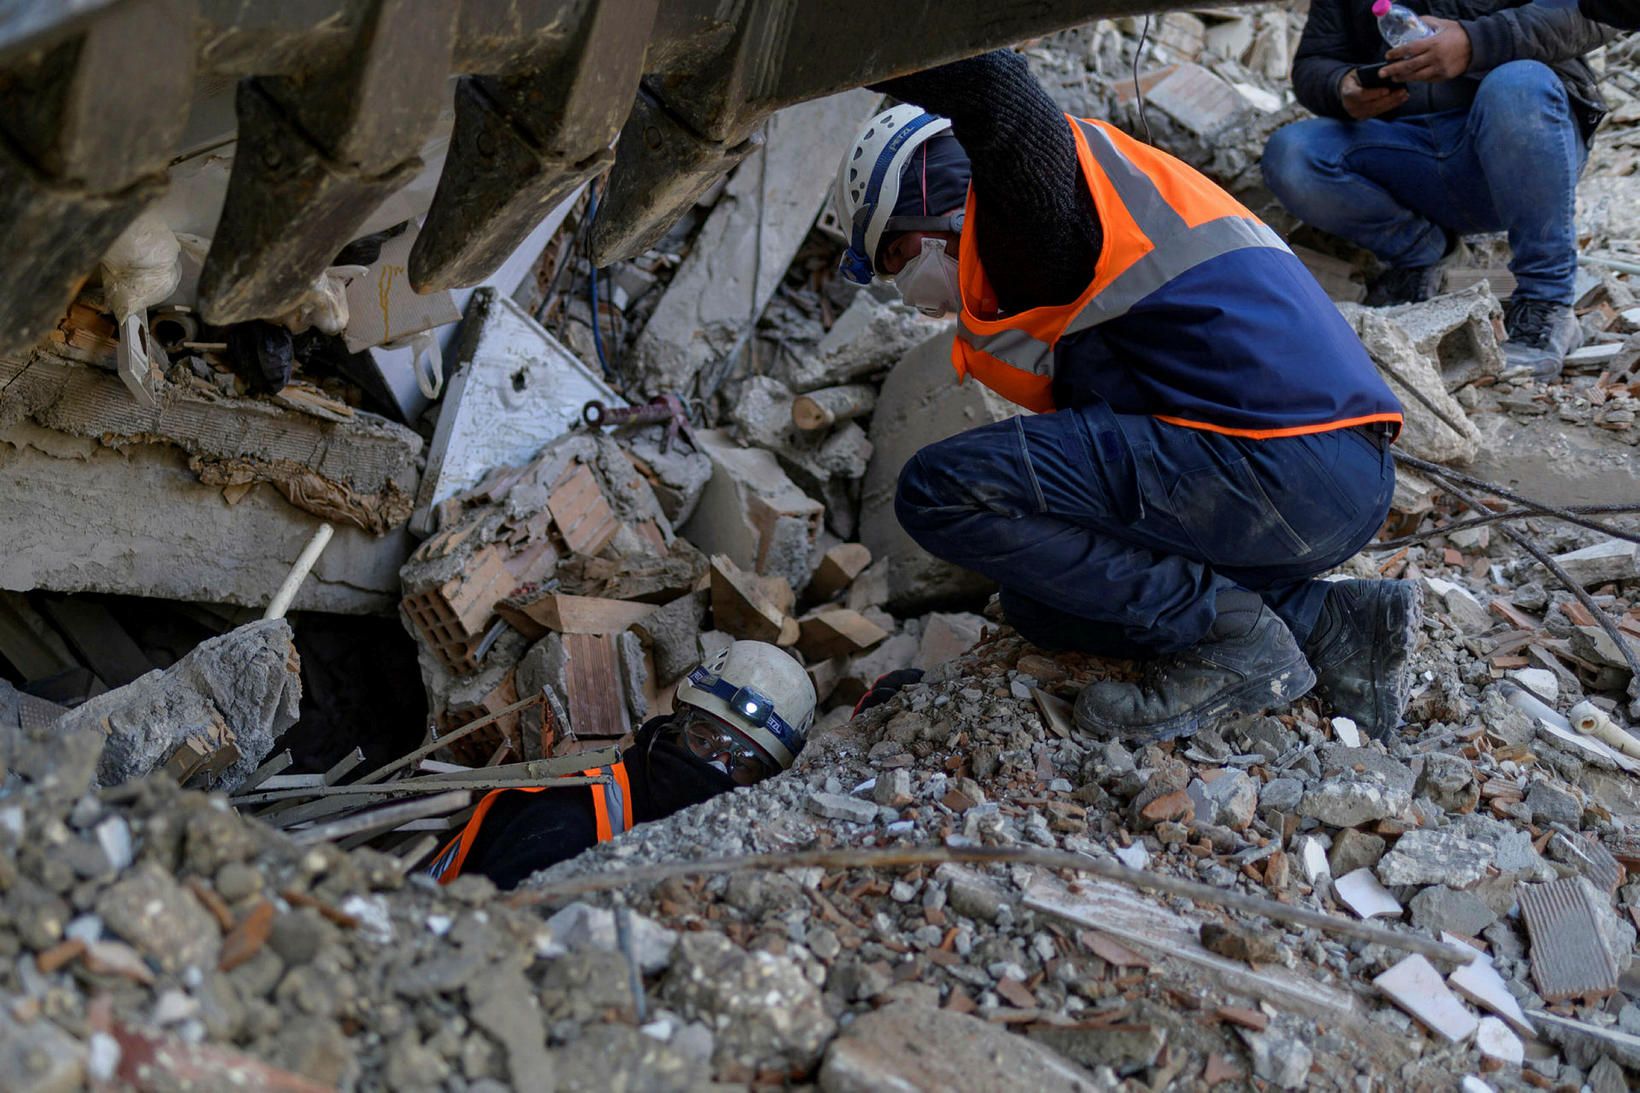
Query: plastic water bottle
x,y
1399,25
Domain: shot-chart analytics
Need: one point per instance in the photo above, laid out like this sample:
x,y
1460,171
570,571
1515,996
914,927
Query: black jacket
x,y
1342,34
527,832
1623,14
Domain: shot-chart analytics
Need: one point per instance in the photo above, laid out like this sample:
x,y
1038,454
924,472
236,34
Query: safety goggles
x,y
750,707
710,739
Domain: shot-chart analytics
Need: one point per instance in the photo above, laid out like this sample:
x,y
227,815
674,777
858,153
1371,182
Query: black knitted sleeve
x,y
1038,231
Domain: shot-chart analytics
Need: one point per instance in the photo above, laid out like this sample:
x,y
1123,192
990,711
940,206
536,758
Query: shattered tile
x,y
1416,987
1361,892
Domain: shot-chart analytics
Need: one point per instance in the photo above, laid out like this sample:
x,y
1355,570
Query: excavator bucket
x,y
336,99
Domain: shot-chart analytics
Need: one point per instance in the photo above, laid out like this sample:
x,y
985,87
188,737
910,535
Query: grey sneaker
x,y
1540,335
1248,663
1361,650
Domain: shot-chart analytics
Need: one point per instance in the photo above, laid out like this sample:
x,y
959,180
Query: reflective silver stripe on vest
x,y
442,863
1014,347
614,800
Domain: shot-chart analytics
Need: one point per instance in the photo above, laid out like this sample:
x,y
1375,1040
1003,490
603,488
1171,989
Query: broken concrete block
x,y
1416,987
1200,101
868,338
242,689
741,608
677,475
1602,563
946,637
762,413
837,570
887,1049
1350,801
514,389
1462,332
1436,857
1439,908
1437,428
38,1057
835,806
769,204
753,513
920,403
672,635
836,632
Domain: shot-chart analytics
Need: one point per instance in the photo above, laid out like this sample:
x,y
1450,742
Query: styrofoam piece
x,y
1480,982
1347,732
1363,893
1494,1041
1417,987
515,388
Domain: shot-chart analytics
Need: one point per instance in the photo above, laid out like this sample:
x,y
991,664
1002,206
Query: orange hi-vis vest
x,y
1197,314
611,809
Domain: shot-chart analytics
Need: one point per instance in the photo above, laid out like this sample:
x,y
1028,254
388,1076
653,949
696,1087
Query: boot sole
x,y
1249,698
1402,619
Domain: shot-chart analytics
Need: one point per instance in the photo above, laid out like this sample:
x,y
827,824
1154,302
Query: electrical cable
x,y
592,282
1138,91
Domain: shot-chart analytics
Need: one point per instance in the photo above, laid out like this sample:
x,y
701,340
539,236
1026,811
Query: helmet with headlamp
x,y
758,691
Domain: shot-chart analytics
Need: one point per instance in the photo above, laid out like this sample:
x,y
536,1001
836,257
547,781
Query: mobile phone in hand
x,y
1373,76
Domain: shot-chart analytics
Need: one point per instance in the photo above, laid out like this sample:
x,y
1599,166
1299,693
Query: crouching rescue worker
x,y
740,718
1209,432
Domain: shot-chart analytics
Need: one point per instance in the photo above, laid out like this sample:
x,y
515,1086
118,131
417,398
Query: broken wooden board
x,y
837,569
557,612
1171,940
835,633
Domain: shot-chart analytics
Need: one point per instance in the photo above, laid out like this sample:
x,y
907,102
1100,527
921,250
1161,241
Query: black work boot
x,y
1247,663
1361,650
1405,285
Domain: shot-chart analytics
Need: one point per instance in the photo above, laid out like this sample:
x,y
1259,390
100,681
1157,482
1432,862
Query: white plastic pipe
x,y
298,573
1591,720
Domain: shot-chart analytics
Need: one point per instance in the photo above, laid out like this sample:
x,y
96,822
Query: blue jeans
x,y
1114,533
1400,188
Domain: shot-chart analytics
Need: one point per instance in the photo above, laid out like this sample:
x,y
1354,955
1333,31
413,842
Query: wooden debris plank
x,y
380,819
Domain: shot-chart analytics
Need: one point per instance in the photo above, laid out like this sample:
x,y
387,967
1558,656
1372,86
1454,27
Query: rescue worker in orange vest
x,y
1209,434
741,717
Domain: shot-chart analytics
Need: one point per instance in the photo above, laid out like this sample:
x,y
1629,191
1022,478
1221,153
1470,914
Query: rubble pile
x,y
630,469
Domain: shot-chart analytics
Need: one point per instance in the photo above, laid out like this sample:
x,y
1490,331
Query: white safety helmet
x,y
868,185
760,691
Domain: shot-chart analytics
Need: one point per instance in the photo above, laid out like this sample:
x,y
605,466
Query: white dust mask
x,y
929,281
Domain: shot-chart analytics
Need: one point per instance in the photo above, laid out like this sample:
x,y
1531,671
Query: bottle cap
x,y
1380,8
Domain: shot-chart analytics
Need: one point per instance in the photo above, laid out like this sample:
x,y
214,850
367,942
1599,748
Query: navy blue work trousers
x,y
1114,533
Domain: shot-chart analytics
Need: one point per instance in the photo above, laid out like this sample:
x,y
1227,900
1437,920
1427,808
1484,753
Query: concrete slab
x,y
514,389
747,242
82,517
920,403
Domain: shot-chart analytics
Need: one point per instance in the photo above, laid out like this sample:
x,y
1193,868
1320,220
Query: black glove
x,y
885,688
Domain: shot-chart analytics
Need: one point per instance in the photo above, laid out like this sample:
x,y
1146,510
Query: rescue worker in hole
x,y
1209,433
741,717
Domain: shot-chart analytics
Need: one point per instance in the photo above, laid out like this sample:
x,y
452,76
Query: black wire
x,y
1138,91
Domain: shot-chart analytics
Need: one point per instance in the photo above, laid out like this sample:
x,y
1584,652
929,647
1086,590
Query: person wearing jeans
x,y
1209,435
1486,129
